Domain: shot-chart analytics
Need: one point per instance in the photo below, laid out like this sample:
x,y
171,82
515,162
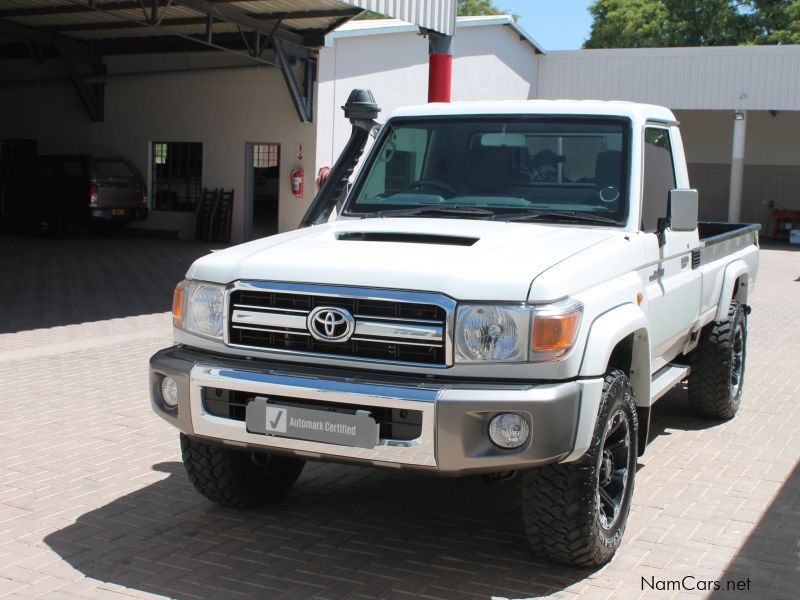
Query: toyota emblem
x,y
330,324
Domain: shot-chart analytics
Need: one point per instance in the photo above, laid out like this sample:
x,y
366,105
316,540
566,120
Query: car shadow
x,y
86,278
338,532
673,412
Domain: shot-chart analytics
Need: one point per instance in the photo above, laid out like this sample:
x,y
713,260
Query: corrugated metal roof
x,y
312,19
384,26
81,20
438,15
744,77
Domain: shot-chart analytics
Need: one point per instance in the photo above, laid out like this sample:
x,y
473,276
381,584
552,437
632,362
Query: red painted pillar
x,y
440,66
440,75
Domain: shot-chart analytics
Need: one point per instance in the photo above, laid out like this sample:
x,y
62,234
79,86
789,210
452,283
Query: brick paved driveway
x,y
94,501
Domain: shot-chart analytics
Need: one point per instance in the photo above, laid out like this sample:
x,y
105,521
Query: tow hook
x,y
498,477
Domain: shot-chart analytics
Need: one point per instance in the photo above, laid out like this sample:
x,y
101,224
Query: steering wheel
x,y
435,184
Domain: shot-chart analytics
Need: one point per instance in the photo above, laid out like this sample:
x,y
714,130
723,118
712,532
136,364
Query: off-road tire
x,y
560,501
236,478
718,359
50,223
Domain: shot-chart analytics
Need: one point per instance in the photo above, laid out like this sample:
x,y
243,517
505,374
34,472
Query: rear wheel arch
x,y
735,287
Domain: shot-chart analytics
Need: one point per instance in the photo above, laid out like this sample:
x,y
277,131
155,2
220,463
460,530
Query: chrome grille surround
x,y
409,332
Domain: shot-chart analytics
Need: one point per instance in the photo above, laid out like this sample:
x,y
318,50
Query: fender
x,y
605,332
732,272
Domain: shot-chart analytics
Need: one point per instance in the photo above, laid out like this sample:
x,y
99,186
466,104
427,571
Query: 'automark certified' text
x,y
322,426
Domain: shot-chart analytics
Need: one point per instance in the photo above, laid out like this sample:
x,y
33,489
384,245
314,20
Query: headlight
x,y
198,307
492,333
495,333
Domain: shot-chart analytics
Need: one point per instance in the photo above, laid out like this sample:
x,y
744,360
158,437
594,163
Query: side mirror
x,y
682,210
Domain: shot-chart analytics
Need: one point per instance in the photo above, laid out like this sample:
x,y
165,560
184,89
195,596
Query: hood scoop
x,y
405,238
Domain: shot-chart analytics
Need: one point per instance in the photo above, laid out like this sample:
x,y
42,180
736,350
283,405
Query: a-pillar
x,y
440,66
737,166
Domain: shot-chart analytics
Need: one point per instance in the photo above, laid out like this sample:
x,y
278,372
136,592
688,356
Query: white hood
x,y
499,266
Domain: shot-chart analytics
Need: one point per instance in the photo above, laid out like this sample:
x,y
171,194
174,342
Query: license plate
x,y
117,212
358,430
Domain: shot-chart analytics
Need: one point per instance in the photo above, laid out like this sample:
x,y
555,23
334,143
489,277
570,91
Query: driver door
x,y
672,286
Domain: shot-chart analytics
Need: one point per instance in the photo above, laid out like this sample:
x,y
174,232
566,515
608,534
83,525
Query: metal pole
x,y
440,66
737,166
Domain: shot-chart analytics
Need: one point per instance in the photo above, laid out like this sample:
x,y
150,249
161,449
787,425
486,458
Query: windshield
x,y
116,168
506,168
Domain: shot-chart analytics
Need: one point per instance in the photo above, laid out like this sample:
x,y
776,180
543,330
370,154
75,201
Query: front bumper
x,y
453,436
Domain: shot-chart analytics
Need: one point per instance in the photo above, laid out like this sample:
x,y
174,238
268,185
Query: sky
x,y
555,24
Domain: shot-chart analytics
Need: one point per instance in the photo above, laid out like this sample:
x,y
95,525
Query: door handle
x,y
684,262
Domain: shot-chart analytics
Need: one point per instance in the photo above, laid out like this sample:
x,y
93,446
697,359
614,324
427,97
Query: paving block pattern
x,y
94,501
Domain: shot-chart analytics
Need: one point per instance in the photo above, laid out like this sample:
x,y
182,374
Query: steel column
x,y
303,101
737,166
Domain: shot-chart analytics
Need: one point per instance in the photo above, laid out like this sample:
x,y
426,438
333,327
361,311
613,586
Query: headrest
x,y
607,169
490,169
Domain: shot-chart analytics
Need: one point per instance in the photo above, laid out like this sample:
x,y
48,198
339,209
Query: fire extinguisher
x,y
297,176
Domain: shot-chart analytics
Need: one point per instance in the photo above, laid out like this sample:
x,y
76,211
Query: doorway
x,y
263,184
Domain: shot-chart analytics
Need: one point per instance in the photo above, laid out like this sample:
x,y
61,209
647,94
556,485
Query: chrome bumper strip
x,y
419,452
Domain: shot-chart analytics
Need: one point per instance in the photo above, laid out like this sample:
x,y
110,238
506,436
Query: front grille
x,y
390,330
394,423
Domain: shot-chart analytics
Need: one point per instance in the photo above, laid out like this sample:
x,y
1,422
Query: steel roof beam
x,y
237,17
64,9
303,100
92,96
67,9
78,50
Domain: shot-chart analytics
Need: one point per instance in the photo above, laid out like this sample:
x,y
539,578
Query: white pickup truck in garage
x,y
501,287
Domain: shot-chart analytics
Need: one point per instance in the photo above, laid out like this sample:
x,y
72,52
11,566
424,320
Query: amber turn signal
x,y
555,333
177,305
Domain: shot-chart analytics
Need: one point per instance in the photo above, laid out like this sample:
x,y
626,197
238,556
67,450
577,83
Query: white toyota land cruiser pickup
x,y
504,286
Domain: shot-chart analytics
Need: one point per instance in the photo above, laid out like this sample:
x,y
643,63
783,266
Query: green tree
x,y
655,23
627,24
478,7
706,23
775,21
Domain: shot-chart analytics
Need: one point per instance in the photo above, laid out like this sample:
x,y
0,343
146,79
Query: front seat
x,y
489,169
607,173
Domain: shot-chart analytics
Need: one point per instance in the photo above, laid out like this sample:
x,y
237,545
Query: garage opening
x,y
264,161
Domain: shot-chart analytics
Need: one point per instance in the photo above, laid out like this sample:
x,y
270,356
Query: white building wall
x,y
772,162
223,109
743,77
490,63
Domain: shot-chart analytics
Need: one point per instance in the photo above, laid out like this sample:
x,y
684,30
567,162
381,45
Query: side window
x,y
659,176
72,168
177,169
399,164
46,169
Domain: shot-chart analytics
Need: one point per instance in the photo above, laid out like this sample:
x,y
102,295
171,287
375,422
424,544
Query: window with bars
x,y
17,149
177,169
266,155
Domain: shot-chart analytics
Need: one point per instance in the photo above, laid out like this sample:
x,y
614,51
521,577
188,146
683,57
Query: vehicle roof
x,y
632,110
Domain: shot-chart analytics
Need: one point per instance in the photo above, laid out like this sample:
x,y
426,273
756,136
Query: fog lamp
x,y
169,392
509,430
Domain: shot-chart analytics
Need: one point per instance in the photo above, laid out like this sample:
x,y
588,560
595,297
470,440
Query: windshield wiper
x,y
573,215
433,211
